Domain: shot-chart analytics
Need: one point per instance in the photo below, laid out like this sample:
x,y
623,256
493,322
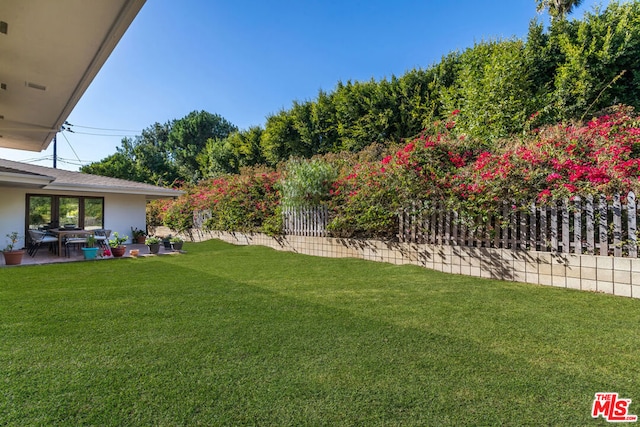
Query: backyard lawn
x,y
230,335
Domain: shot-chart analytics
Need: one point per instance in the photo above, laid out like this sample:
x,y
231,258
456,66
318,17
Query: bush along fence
x,y
599,226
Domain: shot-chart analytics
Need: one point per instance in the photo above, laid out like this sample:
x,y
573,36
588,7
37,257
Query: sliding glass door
x,y
69,212
44,211
93,213
39,211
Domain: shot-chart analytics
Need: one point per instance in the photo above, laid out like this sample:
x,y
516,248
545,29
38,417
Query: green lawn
x,y
229,335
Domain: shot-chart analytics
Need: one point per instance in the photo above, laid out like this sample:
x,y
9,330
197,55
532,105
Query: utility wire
x,y
105,129
39,159
72,162
101,134
71,146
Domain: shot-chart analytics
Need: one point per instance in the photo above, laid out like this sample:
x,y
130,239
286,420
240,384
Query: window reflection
x,y
59,211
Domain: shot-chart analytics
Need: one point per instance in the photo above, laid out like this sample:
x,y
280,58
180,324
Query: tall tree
x,y
188,138
228,155
558,9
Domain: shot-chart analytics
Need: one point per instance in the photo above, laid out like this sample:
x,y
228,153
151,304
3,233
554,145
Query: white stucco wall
x,y
12,214
121,211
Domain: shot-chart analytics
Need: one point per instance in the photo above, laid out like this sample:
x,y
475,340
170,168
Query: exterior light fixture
x,y
35,86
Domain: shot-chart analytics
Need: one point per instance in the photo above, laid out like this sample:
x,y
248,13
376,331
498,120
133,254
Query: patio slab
x,y
45,257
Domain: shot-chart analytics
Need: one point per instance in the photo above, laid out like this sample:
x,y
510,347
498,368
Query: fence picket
x,y
577,226
589,225
631,225
565,226
532,227
544,242
603,235
617,226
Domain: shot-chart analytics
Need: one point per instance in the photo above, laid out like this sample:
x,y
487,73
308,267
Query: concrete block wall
x,y
616,276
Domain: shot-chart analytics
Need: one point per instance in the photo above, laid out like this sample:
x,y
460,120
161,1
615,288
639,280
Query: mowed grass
x,y
230,335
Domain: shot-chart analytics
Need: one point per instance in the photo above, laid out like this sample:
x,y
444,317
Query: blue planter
x,y
90,253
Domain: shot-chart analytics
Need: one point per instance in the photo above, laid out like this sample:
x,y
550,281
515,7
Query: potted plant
x,y
166,241
153,243
176,243
116,244
138,236
90,251
13,256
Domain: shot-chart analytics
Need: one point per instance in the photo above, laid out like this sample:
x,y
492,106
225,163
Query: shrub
x,y
307,182
241,202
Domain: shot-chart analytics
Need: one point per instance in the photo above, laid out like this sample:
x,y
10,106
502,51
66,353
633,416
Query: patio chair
x,y
102,236
72,240
37,238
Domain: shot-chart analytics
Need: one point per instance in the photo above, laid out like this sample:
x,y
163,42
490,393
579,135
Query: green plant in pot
x,y
137,235
12,255
90,250
153,243
166,241
176,243
116,244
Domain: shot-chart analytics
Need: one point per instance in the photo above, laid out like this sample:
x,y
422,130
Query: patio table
x,y
62,232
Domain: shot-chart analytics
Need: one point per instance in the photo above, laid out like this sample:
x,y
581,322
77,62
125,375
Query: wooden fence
x,y
307,221
599,226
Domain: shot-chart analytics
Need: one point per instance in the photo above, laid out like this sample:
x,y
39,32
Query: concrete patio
x,y
44,256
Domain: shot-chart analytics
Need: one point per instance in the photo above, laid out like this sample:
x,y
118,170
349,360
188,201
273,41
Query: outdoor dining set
x,y
65,238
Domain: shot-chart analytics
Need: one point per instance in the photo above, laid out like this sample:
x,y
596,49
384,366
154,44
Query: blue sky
x,y
247,59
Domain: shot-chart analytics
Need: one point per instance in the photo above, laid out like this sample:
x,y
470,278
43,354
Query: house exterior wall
x,y
12,214
121,211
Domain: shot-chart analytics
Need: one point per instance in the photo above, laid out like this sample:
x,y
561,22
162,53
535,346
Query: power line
x,y
73,162
100,134
104,129
37,159
71,146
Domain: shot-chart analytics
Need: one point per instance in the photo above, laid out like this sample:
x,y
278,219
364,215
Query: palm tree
x,y
558,9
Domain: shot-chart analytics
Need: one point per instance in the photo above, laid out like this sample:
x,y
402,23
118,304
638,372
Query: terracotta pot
x,y
140,240
13,257
118,251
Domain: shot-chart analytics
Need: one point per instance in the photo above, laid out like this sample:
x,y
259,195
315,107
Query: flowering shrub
x,y
366,202
237,202
240,202
362,204
600,156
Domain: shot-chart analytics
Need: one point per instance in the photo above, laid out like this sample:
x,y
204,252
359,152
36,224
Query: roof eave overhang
x,y
158,193
19,179
128,12
28,47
